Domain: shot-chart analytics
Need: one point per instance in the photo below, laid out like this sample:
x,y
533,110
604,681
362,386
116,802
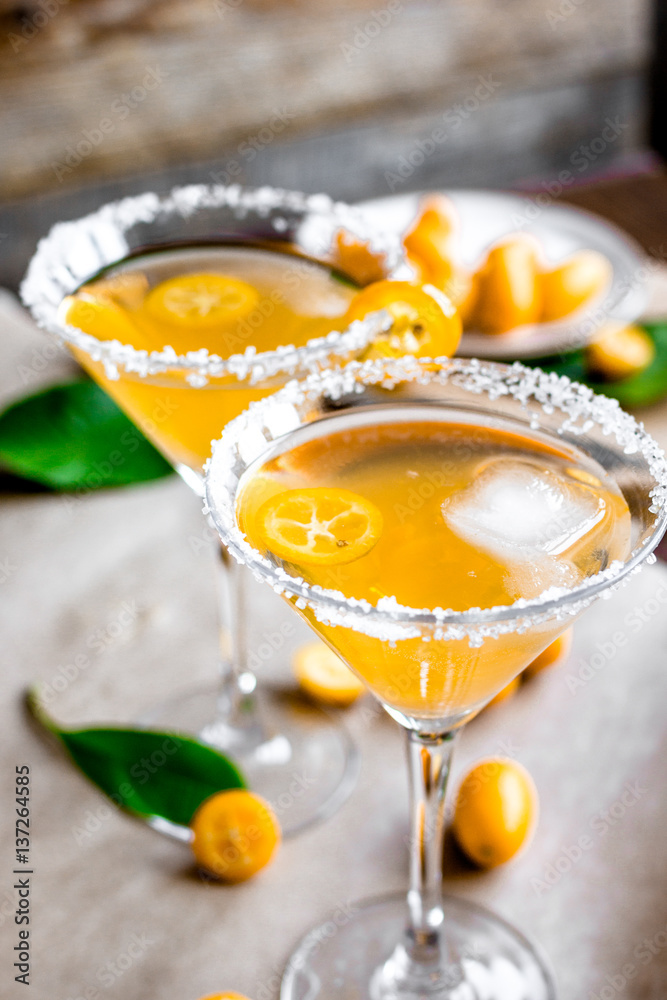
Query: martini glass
x,y
434,668
300,758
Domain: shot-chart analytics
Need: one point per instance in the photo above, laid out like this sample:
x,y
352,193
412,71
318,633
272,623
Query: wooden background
x,y
103,97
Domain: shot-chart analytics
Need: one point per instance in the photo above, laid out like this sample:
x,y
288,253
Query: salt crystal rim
x,y
50,278
388,620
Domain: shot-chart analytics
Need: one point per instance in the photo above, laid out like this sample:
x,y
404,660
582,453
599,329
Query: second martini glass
x,y
186,308
503,501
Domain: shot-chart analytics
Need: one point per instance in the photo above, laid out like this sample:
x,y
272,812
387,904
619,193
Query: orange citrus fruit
x,y
235,834
228,995
430,244
506,692
496,811
466,298
425,323
620,351
356,259
201,301
555,653
507,291
319,525
322,674
126,289
567,287
101,318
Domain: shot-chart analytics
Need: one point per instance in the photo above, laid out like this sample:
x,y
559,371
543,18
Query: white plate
x,y
487,216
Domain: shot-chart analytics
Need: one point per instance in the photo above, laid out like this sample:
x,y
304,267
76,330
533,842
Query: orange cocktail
x,y
438,523
187,307
224,299
433,514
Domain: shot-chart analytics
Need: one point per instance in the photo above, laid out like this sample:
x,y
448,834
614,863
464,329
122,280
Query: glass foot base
x,y
344,957
297,756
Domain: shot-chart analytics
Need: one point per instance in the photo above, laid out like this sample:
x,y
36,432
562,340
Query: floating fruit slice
x,y
319,526
127,289
496,811
201,301
555,653
582,277
425,323
620,351
101,318
235,834
323,675
507,291
506,692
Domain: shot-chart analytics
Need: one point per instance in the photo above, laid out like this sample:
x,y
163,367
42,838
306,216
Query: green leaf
x,y
146,772
74,436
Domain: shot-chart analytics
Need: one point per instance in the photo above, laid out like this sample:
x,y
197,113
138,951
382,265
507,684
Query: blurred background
x,y
100,98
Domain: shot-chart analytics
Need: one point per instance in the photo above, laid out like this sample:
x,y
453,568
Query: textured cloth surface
x,y
118,912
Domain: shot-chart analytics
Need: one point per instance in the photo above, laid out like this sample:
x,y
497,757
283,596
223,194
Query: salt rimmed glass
x,y
430,947
281,746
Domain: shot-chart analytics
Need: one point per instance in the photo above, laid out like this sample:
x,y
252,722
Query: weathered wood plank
x,y
120,88
500,144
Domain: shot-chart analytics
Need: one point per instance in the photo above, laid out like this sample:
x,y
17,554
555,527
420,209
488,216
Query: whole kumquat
x,y
507,291
236,834
578,280
620,351
496,811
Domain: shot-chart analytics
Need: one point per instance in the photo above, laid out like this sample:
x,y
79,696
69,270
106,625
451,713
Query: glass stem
x,y
422,964
236,725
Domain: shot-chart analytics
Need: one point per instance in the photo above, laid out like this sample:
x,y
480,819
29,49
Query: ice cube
x,y
517,509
